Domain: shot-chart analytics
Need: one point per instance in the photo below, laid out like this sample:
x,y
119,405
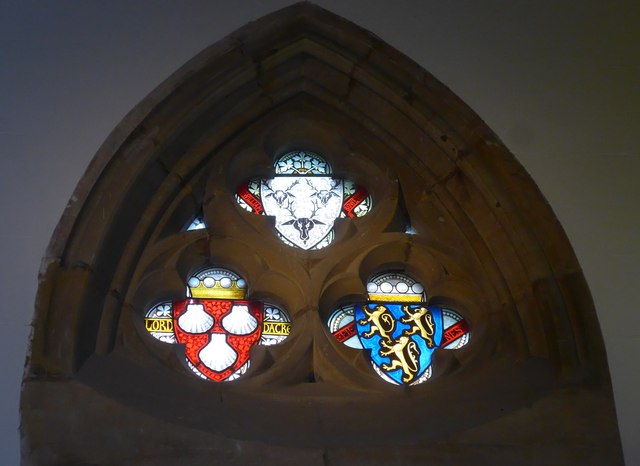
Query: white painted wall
x,y
560,84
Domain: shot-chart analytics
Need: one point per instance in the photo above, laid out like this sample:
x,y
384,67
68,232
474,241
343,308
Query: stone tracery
x,y
486,242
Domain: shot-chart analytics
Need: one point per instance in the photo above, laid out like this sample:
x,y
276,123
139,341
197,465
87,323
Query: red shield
x,y
217,333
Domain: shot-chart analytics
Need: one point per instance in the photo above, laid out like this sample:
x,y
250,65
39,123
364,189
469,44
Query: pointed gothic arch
x,y
487,242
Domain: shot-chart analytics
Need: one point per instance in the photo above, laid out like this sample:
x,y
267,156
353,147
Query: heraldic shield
x,y
216,326
305,207
304,199
401,337
398,329
217,333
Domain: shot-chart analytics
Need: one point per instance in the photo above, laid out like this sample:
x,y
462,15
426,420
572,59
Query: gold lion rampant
x,y
422,321
381,321
404,354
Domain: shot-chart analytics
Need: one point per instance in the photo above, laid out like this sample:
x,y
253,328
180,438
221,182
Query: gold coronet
x,y
395,298
217,292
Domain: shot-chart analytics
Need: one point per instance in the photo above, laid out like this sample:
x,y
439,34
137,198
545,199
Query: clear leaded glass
x,y
197,223
302,163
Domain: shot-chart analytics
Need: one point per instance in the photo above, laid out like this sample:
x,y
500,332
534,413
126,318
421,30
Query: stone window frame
x,y
487,245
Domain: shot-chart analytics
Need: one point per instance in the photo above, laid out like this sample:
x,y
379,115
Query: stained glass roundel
x,y
398,329
302,163
343,327
304,199
216,324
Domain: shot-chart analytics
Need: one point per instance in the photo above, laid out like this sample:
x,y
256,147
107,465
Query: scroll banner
x,y
254,202
353,201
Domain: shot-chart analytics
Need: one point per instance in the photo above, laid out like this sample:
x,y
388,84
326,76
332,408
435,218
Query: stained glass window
x,y
216,324
302,163
276,325
343,327
159,322
196,224
398,329
304,199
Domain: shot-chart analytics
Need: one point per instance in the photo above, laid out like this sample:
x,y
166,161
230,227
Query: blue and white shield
x,y
401,337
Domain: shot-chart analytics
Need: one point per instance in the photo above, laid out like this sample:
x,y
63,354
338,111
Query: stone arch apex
x,y
484,228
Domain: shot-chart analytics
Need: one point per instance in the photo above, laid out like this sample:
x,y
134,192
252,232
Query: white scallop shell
x,y
239,321
195,320
218,355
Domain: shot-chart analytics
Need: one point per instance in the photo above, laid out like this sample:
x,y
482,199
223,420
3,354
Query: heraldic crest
x,y
216,325
304,199
398,329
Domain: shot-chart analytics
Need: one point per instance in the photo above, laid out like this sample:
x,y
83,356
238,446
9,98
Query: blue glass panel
x,y
400,337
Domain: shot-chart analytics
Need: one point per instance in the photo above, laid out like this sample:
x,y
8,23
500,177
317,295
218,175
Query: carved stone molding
x,y
532,387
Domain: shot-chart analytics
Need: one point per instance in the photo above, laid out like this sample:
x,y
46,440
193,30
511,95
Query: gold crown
x,y
399,298
215,285
217,292
395,287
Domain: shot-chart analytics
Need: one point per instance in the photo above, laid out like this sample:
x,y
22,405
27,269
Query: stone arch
x,y
302,78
